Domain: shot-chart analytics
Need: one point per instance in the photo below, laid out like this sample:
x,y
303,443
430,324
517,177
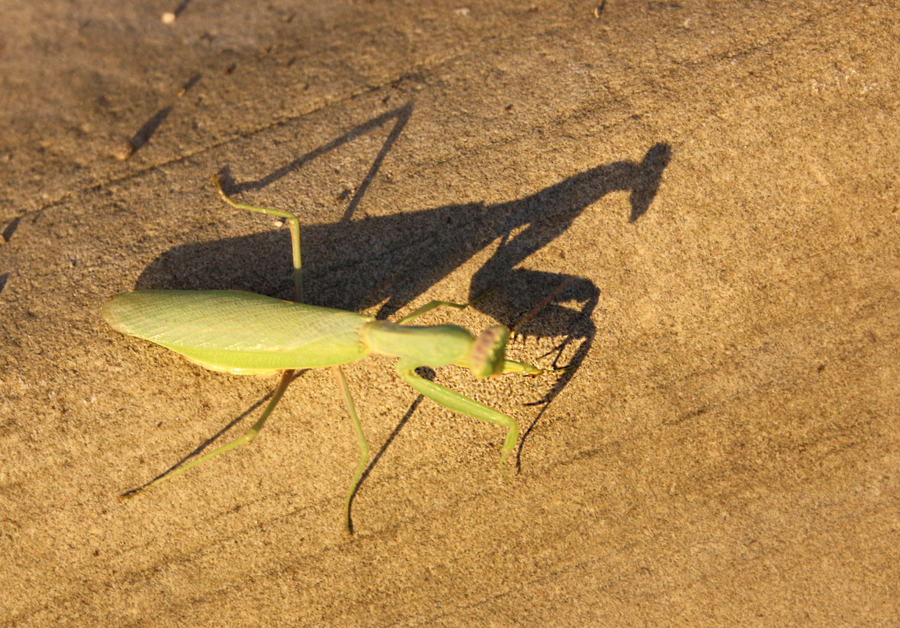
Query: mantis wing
x,y
239,332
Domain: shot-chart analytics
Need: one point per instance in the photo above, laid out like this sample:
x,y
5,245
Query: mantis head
x,y
488,354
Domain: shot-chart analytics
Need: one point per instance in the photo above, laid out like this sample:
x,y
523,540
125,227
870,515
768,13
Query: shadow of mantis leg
x,y
463,405
361,440
286,378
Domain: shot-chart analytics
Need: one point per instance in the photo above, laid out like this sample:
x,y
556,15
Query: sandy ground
x,y
714,185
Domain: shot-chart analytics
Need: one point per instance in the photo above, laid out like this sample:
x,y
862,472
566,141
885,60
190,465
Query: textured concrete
x,y
708,190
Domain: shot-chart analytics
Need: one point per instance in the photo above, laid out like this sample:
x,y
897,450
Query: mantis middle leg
x,y
360,439
433,305
294,225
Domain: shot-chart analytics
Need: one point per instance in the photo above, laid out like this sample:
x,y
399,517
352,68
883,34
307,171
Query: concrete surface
x,y
712,185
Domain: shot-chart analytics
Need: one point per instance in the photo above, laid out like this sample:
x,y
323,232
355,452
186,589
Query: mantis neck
x,y
433,346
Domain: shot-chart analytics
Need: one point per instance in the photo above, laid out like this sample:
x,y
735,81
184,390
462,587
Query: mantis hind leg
x,y
293,224
286,378
463,405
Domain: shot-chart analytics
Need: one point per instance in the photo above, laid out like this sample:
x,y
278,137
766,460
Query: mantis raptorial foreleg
x,y
462,404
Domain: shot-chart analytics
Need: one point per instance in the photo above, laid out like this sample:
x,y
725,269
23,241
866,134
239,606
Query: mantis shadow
x,y
386,262
144,134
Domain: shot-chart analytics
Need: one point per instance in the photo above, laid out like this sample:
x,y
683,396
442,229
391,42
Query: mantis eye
x,y
489,351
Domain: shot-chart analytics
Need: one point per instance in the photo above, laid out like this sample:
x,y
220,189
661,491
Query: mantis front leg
x,y
463,405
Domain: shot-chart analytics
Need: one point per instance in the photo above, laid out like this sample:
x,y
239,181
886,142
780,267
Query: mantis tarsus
x,y
251,334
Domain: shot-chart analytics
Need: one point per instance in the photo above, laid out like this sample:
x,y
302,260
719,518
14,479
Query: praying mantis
x,y
250,334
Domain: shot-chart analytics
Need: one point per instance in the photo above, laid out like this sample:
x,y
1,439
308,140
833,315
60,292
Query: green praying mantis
x,y
251,334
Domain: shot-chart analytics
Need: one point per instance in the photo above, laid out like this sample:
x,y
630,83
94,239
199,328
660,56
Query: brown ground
x,y
721,179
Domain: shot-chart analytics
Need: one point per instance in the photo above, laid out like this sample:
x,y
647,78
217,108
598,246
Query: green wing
x,y
239,332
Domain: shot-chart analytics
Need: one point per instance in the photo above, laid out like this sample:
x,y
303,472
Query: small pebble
x,y
124,150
